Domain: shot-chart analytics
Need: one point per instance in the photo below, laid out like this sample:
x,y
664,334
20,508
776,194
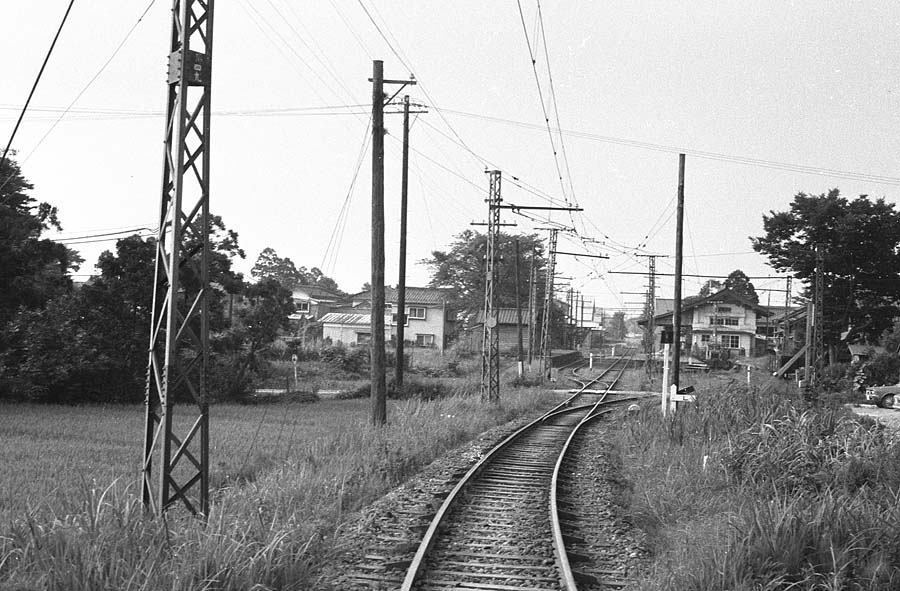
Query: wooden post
x,y
679,235
520,365
401,283
376,349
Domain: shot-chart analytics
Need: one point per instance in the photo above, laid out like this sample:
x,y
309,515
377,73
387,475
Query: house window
x,y
417,313
704,338
425,340
724,309
724,321
303,307
731,341
363,338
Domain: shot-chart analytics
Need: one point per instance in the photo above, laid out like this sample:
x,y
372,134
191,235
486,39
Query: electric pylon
x,y
817,342
176,467
548,304
650,311
490,343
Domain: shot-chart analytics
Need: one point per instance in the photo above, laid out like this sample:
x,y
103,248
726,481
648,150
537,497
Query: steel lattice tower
x,y
548,304
818,340
490,343
176,466
650,311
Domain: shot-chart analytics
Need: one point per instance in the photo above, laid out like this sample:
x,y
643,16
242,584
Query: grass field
x,y
51,453
284,477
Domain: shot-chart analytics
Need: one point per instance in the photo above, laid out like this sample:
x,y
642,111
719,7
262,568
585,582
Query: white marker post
x,y
665,380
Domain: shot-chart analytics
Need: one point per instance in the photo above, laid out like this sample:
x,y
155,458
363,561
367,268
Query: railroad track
x,y
511,523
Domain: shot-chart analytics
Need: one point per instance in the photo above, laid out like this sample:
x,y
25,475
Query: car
x,y
884,396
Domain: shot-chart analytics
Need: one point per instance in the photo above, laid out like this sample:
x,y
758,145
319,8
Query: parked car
x,y
884,396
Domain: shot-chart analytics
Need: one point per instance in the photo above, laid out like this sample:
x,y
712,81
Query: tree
x,y
462,269
91,343
710,287
271,267
861,241
32,270
258,324
738,282
617,328
283,270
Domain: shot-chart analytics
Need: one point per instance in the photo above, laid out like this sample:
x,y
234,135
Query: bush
x,y
881,369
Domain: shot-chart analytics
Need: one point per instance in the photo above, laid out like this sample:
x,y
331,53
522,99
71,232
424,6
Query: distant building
x,y
723,320
507,328
428,321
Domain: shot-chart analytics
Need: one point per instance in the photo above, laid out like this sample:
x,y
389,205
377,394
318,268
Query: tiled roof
x,y
316,292
504,316
427,296
342,318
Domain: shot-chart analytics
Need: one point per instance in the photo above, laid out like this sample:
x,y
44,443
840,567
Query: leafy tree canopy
x,y
462,269
270,266
616,330
711,286
738,282
860,241
32,269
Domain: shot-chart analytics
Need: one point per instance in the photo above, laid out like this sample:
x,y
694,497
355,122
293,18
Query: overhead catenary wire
x,y
537,81
89,82
332,249
735,159
12,136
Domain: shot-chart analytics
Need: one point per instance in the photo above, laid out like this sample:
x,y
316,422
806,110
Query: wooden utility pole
x,y
532,309
679,239
546,343
401,282
520,365
376,346
376,350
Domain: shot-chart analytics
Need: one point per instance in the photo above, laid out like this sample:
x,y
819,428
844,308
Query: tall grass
x,y
752,489
272,522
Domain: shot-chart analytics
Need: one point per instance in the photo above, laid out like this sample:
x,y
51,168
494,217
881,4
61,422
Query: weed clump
x,y
753,489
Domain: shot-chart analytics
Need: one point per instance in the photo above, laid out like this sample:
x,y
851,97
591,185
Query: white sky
x,y
800,83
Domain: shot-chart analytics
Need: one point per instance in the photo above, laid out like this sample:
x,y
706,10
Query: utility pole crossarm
x,y
578,254
539,207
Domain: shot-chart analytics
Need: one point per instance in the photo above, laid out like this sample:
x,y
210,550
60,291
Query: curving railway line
x,y
514,521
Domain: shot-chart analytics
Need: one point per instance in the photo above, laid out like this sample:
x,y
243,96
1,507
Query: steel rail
x,y
437,525
559,545
430,535
568,401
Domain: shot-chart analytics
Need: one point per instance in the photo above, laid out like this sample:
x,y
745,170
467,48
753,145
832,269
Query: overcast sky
x,y
766,98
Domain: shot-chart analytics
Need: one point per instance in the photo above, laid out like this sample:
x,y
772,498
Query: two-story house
x,y
311,302
723,320
428,322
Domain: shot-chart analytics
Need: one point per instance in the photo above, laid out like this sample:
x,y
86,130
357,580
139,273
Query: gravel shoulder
x,y
888,417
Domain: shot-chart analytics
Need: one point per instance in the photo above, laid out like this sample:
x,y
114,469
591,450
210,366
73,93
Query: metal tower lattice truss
x,y
817,343
650,311
548,304
176,466
490,343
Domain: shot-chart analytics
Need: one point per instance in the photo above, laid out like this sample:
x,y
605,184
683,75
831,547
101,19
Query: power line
x,y
91,81
537,81
829,172
69,240
33,88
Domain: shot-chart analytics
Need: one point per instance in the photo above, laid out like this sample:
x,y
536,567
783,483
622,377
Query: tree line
x,y
62,342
